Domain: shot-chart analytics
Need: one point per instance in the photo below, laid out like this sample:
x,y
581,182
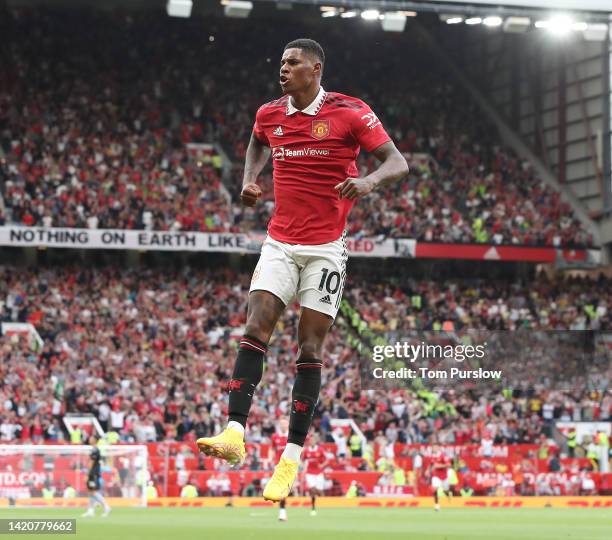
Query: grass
x,y
333,524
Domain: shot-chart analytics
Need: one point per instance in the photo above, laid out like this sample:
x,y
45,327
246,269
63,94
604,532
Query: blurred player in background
x,y
316,460
315,137
94,481
440,467
279,441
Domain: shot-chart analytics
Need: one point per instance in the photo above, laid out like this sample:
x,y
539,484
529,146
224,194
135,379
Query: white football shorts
x,y
437,483
315,481
315,274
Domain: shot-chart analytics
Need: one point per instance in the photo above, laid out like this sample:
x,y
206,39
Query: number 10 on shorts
x,y
330,281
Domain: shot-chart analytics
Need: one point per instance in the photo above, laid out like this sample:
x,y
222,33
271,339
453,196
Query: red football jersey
x,y
279,442
440,465
312,151
314,457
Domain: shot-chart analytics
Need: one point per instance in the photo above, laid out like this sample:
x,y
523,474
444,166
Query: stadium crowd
x,y
94,137
150,351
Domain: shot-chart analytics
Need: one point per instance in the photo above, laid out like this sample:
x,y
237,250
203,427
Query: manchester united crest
x,y
320,129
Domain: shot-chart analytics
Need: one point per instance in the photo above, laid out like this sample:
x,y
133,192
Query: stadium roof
x,y
595,10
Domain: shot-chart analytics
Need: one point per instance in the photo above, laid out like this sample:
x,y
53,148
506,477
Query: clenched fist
x,y
353,188
250,194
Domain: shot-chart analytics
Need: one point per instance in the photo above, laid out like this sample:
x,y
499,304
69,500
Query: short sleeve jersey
x,y
314,457
313,150
441,463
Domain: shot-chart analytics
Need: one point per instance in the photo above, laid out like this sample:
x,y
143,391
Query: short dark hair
x,y
308,45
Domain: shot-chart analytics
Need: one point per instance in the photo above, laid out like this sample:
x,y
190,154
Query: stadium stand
x,y
104,327
149,353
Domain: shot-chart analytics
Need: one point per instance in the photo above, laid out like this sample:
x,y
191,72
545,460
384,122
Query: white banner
x,y
178,241
585,429
370,247
125,239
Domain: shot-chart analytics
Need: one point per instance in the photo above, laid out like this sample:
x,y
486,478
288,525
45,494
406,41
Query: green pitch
x,y
333,524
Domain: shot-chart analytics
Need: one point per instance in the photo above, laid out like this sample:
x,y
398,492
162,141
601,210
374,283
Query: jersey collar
x,y
312,109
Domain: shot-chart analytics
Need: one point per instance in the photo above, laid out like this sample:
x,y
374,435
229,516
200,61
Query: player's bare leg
x,y
437,498
96,498
313,501
282,513
312,329
263,313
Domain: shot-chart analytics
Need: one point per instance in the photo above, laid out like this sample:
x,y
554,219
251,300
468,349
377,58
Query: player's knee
x,y
260,326
310,348
258,329
264,311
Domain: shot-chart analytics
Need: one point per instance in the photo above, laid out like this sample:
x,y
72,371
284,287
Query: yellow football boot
x,y
279,486
228,445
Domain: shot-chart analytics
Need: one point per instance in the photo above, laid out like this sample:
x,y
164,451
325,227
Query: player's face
x,y
298,70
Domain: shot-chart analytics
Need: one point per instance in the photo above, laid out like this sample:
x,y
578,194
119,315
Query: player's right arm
x,y
257,155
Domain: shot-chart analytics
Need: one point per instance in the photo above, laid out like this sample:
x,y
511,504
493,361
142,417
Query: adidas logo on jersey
x,y
326,299
278,131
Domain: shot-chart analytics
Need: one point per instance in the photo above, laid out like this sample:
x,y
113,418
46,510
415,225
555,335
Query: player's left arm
x,y
393,167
